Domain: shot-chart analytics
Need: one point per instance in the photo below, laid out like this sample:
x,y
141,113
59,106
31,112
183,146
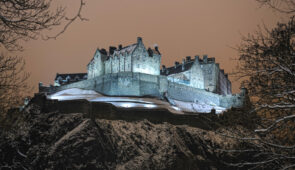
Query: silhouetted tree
x,y
13,84
283,6
267,68
25,20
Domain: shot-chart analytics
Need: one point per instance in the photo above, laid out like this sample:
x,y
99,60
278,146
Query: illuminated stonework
x,y
133,58
135,71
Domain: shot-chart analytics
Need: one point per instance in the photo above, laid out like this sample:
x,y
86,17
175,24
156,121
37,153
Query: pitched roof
x,y
178,68
129,49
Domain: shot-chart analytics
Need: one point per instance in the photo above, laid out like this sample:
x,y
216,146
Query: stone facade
x,y
199,73
134,58
135,71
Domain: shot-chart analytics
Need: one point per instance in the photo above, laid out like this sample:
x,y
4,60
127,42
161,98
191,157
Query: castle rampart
x,y
140,84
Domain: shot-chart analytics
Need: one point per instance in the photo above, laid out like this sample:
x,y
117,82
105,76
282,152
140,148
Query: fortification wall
x,y
122,84
190,94
139,84
210,74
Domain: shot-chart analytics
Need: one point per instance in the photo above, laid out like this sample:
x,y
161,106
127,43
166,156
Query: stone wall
x,y
143,63
96,67
189,94
210,73
139,84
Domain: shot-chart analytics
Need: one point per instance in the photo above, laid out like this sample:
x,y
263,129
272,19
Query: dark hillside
x,y
51,139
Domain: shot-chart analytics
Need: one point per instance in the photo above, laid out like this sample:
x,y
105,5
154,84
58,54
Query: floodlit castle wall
x,y
210,74
139,84
96,66
189,94
223,85
143,63
196,76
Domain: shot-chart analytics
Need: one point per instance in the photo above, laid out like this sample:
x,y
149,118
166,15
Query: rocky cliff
x,y
56,140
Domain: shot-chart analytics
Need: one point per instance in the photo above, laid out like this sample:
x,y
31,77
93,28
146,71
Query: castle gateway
x,y
134,70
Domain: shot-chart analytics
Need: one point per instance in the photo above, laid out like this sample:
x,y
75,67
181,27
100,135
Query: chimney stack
x,y
163,68
139,40
103,51
157,48
150,52
197,58
183,63
176,64
205,58
112,49
120,47
188,58
226,76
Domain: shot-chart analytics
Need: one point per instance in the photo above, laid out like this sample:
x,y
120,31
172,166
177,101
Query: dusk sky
x,y
180,28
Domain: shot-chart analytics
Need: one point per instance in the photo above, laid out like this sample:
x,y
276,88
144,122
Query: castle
x,y
134,70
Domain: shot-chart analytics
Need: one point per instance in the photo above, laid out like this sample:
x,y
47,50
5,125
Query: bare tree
x,y
26,19
13,84
267,68
283,6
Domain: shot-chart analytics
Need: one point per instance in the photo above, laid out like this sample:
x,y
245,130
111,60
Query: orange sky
x,y
179,27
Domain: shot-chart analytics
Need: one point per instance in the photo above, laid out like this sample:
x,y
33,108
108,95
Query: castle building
x,y
134,58
199,73
134,70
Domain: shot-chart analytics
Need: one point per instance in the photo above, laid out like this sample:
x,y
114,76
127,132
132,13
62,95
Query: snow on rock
x,y
198,107
174,106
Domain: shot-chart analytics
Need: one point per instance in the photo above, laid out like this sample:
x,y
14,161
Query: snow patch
x,y
174,106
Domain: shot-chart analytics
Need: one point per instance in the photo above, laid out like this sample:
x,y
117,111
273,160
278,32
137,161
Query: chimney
x,y
176,64
150,52
139,40
120,47
103,51
205,58
188,58
183,63
163,68
112,49
213,59
197,58
157,48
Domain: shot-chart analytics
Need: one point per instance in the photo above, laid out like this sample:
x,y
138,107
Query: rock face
x,y
57,140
